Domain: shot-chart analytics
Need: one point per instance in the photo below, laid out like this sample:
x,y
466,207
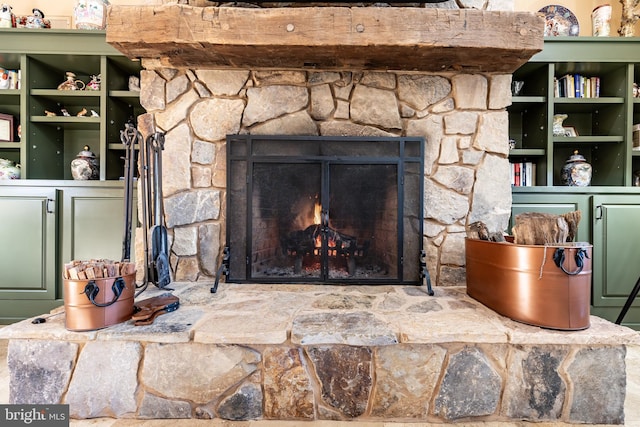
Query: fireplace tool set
x,y
156,252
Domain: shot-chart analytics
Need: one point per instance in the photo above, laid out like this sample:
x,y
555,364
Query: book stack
x,y
523,174
576,86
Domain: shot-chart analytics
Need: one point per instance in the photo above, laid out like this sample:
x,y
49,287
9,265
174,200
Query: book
x,y
523,174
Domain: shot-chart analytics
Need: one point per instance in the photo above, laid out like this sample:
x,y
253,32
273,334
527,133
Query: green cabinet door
x,y
616,253
93,223
28,252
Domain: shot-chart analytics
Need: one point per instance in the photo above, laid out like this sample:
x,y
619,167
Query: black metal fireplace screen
x,y
334,210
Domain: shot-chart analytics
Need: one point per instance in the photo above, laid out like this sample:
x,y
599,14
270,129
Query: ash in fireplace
x,y
369,271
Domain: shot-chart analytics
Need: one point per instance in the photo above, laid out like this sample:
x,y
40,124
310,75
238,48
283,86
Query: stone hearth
x,y
324,353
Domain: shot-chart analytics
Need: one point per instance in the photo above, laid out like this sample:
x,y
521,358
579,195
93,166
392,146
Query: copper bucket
x,y
541,285
98,303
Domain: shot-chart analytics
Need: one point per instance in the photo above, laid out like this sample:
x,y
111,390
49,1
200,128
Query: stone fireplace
x,y
437,74
299,78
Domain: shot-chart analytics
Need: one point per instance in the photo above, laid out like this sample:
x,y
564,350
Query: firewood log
x,y
96,269
479,230
537,228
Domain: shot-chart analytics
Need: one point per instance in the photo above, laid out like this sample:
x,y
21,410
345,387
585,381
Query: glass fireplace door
x,y
362,221
285,241
324,210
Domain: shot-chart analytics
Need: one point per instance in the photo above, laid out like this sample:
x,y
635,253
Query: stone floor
x,y
632,402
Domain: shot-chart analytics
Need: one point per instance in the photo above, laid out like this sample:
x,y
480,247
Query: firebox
x,y
332,210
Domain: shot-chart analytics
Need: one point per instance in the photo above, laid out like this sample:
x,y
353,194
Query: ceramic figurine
x,y
94,84
134,83
71,83
558,128
49,113
9,170
7,18
576,172
85,166
82,113
91,14
36,20
65,112
94,114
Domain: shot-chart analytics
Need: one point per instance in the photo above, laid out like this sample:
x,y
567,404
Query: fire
x,y
317,214
317,220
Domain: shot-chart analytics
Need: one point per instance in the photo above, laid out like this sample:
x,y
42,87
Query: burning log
x,y
309,242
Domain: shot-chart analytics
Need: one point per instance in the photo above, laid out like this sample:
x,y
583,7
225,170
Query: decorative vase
x,y
601,20
85,166
576,172
9,170
91,14
71,83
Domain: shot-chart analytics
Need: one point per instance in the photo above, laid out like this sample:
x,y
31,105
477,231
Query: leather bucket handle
x,y
558,258
92,290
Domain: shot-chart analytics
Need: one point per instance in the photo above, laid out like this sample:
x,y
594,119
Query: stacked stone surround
x,y
258,352
461,116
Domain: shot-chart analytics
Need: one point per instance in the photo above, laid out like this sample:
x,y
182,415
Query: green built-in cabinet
x,y
44,225
611,205
46,217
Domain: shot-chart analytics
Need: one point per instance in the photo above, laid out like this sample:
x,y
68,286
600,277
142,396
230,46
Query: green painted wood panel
x,y
93,223
616,237
27,260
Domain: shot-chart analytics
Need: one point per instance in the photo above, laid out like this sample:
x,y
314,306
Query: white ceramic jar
x,y
91,14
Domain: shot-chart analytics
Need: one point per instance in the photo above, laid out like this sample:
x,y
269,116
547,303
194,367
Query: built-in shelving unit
x,y
47,144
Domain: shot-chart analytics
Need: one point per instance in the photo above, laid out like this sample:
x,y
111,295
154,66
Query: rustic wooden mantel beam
x,y
369,38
